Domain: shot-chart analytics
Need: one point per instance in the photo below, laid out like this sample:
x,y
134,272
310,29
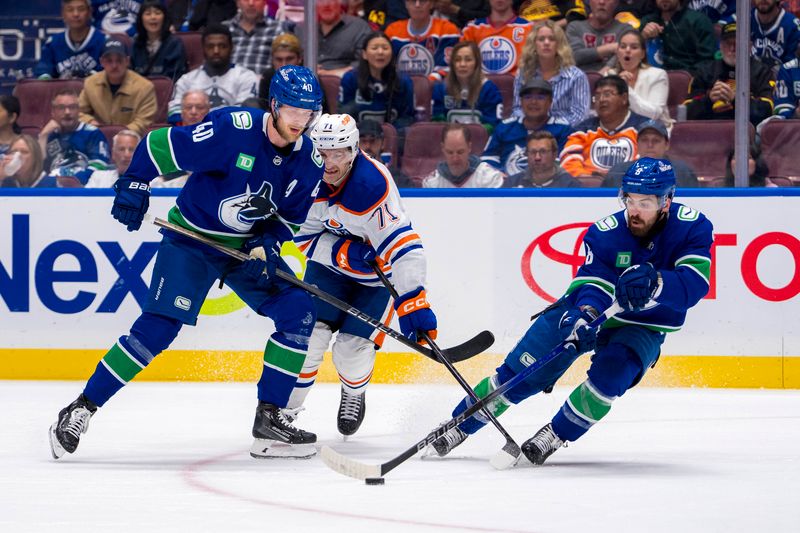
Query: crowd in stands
x,y
447,93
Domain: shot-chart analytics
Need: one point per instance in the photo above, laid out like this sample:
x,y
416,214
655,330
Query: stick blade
x,y
507,457
466,350
347,466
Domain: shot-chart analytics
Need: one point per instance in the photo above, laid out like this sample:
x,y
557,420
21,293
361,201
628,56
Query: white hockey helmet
x,y
335,131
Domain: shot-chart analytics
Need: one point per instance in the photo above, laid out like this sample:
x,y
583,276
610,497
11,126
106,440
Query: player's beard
x,y
638,226
283,131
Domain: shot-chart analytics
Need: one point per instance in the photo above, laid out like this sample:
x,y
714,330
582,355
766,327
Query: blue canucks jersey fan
x,y
787,89
75,53
654,259
254,178
774,32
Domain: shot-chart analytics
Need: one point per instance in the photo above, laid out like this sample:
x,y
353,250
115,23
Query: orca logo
x,y
240,212
541,250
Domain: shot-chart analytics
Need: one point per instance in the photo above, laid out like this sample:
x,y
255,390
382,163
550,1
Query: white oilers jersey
x,y
367,207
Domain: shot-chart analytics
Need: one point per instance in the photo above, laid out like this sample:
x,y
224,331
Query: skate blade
x,y
56,449
272,449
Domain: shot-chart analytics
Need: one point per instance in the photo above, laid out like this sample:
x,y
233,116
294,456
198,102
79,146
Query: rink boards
x,y
72,280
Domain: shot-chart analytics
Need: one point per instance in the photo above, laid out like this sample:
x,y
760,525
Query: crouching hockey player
x,y
254,178
654,257
357,219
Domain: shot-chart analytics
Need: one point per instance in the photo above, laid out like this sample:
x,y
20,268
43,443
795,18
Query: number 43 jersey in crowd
x,y
239,178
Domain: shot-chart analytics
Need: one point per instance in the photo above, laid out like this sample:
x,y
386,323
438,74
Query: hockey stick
x,y
356,469
480,343
511,452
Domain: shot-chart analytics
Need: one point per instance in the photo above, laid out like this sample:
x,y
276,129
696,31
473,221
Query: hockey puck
x,y
374,481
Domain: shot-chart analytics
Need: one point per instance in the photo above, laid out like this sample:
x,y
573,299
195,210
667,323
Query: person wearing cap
x,y
543,171
653,141
253,34
774,32
687,36
75,52
118,95
506,149
713,89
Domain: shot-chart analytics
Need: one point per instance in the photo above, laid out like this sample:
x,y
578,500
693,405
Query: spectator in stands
x,y
71,148
561,12
632,11
371,142
194,107
116,16
9,129
118,95
253,34
787,90
156,52
601,142
286,50
122,147
225,84
507,146
197,15
774,32
422,43
686,37
461,168
380,13
653,141
542,170
500,37
339,38
594,40
648,86
713,89
713,9
756,168
21,167
460,12
466,95
547,54
75,53
375,89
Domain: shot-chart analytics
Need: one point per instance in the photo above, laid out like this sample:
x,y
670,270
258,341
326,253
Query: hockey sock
x,y
497,406
283,361
583,409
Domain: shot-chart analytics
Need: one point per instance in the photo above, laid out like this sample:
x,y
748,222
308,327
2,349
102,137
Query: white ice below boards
x,y
174,457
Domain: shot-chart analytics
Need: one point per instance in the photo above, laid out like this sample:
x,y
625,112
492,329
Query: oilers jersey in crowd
x,y
367,207
78,153
777,43
426,53
63,59
501,46
238,180
787,89
488,107
681,252
506,147
116,16
592,148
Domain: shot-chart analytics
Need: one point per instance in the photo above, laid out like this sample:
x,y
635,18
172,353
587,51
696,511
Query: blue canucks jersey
x,y
77,153
506,147
787,89
681,252
488,107
354,103
777,43
713,9
61,58
241,184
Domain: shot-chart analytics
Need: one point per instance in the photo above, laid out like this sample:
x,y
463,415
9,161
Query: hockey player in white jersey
x,y
356,221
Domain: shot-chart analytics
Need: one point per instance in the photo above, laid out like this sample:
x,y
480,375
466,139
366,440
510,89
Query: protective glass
x,y
297,116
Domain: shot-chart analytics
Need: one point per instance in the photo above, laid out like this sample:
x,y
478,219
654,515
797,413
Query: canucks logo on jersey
x,y
240,212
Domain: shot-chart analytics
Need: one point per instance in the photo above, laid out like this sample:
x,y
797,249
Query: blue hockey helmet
x,y
649,176
296,86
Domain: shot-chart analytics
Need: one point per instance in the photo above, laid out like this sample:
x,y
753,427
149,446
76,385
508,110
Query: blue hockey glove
x,y
131,202
415,314
574,328
353,255
637,286
264,259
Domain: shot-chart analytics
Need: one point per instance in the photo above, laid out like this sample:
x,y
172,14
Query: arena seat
x,y
193,43
704,145
423,97
780,140
423,149
390,141
679,81
593,78
163,86
35,97
109,130
505,83
330,86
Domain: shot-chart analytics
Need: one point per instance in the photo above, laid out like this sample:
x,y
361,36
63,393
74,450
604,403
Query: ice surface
x,y
174,457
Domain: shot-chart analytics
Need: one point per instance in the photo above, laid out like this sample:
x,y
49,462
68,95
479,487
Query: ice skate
x,y
65,433
351,412
276,437
445,444
542,445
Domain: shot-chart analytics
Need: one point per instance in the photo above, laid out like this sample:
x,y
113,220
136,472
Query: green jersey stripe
x,y
616,322
600,283
701,264
233,241
159,147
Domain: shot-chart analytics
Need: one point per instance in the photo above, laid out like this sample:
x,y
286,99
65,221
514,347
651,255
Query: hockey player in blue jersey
x,y
654,257
254,178
357,218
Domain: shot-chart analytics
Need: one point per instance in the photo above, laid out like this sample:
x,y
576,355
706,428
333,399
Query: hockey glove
x,y
264,259
415,314
131,202
637,286
574,329
353,256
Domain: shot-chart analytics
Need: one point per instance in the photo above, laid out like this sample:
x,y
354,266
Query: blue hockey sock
x,y
284,356
497,406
